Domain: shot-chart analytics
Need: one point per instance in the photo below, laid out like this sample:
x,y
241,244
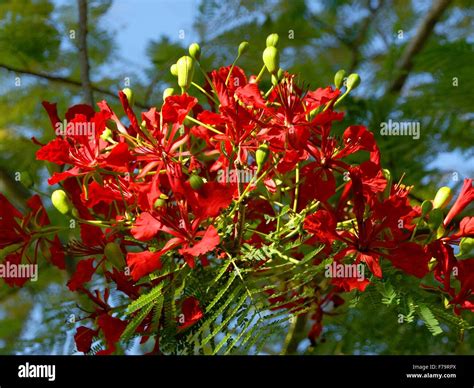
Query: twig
x,y
426,27
83,55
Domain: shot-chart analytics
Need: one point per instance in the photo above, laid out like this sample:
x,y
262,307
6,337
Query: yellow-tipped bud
x,y
174,70
261,156
339,78
61,201
106,134
272,40
271,59
243,47
185,67
129,94
353,81
442,197
195,51
167,92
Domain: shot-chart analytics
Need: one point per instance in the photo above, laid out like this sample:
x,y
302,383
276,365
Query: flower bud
x,y
106,134
114,254
271,59
160,201
466,245
442,197
167,92
196,182
432,263
440,232
243,47
339,78
61,202
261,156
353,81
185,66
272,40
426,207
174,70
435,218
195,51
129,94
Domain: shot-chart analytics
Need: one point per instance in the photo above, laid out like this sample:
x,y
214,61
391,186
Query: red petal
x,y
209,241
84,337
146,226
143,263
84,271
56,151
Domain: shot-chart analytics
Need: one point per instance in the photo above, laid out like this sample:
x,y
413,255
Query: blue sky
x,y
138,22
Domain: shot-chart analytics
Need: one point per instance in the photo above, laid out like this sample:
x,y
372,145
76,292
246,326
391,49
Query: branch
x,y
426,27
65,80
83,56
362,35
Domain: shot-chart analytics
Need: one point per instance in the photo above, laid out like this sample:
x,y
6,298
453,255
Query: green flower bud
x,y
388,176
25,179
114,255
339,78
272,40
243,47
160,201
185,67
440,232
195,51
261,156
167,92
106,134
442,197
426,207
128,92
271,59
196,182
353,81
435,218
61,202
174,70
466,245
432,264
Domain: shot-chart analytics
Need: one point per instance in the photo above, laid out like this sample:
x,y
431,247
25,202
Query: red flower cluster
x,y
148,192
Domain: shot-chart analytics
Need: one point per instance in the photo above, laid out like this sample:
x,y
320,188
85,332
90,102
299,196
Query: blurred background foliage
x,y
415,59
